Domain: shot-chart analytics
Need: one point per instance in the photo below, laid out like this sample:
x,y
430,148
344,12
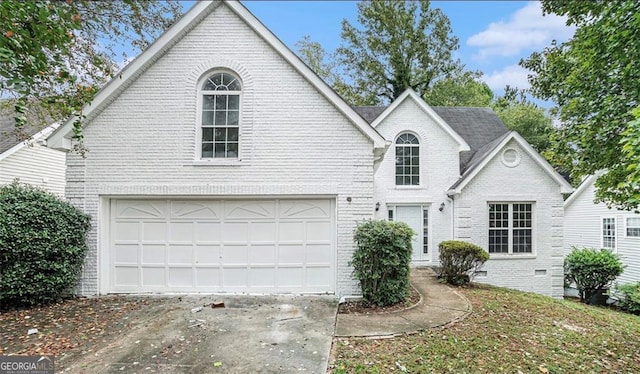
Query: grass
x,y
508,332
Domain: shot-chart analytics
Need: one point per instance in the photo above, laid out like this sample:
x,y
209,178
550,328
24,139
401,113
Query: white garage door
x,y
222,246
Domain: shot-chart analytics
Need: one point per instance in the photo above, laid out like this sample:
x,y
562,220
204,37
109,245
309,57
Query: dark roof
x,y
8,135
479,127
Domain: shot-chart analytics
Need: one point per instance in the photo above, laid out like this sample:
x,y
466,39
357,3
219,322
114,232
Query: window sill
x,y
527,256
213,162
409,187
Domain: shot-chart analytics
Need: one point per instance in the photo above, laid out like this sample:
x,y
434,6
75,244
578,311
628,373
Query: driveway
x,y
250,334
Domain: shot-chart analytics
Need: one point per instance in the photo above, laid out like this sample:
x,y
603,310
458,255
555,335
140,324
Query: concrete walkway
x,y
439,305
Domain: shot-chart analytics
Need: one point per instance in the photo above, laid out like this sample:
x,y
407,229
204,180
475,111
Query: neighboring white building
x,y
592,225
219,162
30,161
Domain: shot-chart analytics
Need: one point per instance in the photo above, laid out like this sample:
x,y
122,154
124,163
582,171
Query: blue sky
x,y
494,35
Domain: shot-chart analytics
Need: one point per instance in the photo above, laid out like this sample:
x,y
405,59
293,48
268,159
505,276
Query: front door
x,y
417,217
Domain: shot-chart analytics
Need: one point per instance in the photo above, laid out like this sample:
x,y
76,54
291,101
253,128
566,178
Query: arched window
x,y
407,160
220,120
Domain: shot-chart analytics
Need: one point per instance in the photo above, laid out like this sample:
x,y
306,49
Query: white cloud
x,y
526,29
512,75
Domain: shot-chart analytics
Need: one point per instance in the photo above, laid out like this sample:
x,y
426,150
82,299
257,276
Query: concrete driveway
x,y
250,334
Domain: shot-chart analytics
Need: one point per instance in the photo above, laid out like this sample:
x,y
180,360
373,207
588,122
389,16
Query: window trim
x,y
395,172
510,253
198,159
615,233
626,227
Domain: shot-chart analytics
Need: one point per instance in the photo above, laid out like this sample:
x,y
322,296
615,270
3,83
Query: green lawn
x,y
508,331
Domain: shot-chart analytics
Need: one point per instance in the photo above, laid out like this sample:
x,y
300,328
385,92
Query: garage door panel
x,y
181,232
126,276
208,232
233,245
235,232
154,276
154,231
154,254
318,231
303,209
207,254
126,231
291,232
194,209
262,278
126,254
262,232
318,254
289,254
243,210
262,255
208,278
180,277
235,277
143,209
180,254
235,254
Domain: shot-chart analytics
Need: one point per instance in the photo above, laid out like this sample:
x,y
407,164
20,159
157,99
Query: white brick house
x,y
219,162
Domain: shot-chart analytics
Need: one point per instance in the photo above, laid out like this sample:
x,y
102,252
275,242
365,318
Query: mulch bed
x,y
360,307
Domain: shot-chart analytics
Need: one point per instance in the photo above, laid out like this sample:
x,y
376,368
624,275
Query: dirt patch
x,y
72,325
360,307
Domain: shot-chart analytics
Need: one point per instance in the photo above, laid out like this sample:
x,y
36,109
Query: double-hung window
x,y
407,160
633,227
220,119
510,228
609,233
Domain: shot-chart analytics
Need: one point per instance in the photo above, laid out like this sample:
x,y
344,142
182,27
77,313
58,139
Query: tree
x,y
403,44
463,89
593,78
54,54
528,119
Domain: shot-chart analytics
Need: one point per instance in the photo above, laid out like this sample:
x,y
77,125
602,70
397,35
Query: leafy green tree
x,y
55,54
528,119
593,77
463,89
402,44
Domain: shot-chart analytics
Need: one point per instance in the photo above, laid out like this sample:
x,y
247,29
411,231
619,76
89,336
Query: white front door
x,y
417,217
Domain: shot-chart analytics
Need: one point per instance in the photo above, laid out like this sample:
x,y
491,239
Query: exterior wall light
x,y
441,207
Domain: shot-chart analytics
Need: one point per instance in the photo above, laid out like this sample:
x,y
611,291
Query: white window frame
x,y
395,165
510,229
627,227
200,110
615,234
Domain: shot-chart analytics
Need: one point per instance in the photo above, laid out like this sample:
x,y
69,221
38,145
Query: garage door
x,y
266,246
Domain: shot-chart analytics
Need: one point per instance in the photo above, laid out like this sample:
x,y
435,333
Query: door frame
x,y
423,207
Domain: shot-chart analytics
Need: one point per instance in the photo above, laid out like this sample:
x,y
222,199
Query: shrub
x,y
381,261
630,300
42,246
460,260
591,270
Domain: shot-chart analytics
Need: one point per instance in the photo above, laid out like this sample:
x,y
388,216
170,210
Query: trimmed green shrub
x,y
591,270
42,246
381,261
460,260
630,300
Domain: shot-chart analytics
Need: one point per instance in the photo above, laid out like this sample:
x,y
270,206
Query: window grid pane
x,y
510,228
220,117
633,226
425,231
609,233
407,160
